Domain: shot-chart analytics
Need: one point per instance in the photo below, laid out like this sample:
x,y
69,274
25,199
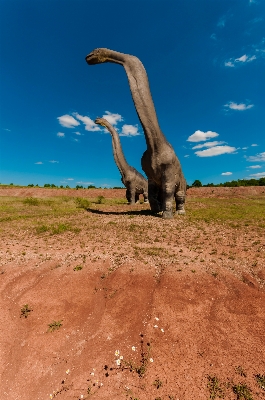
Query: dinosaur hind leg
x,y
180,201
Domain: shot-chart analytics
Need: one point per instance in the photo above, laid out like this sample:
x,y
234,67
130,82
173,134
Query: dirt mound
x,y
119,304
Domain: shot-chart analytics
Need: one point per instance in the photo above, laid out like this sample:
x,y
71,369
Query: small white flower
x,y
157,319
117,353
51,396
121,357
101,384
118,362
162,330
67,371
133,348
92,373
151,360
82,396
155,326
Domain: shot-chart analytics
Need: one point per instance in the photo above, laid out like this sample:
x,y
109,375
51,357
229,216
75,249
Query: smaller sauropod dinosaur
x,y
134,182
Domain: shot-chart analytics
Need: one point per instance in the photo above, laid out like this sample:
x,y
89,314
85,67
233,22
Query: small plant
x,y
25,310
31,201
260,380
78,268
100,199
157,383
214,388
242,392
239,370
82,203
53,326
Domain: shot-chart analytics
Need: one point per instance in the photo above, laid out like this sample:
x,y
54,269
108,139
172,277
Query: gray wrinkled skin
x,y
134,182
159,161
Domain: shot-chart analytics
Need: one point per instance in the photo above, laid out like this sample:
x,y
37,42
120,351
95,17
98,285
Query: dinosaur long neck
x,y
141,95
117,150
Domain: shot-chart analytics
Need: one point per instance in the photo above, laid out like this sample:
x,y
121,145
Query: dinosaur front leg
x,y
168,196
130,194
137,198
153,196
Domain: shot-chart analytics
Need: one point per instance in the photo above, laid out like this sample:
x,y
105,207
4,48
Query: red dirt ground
x,y
182,324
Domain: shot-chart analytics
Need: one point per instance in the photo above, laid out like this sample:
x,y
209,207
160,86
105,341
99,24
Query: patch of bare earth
x,y
125,305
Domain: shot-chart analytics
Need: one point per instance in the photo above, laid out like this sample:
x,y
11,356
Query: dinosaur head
x,y
100,121
97,56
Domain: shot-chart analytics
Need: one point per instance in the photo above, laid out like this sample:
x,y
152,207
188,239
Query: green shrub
x,y
82,203
31,201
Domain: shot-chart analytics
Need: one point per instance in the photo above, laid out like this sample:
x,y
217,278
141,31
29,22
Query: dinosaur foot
x,y
146,201
180,212
168,214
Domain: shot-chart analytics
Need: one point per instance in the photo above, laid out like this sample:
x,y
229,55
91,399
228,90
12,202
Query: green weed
x,y
242,392
25,310
214,388
53,326
78,268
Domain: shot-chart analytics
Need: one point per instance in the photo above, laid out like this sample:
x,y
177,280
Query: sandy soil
x,y
156,310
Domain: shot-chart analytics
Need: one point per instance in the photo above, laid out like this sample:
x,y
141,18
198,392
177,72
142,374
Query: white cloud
x,y
244,148
78,133
242,58
215,151
112,118
85,183
89,123
238,107
229,64
207,144
258,175
226,173
60,134
258,157
54,162
8,130
68,121
255,166
200,136
213,36
70,179
254,145
129,130
187,155
39,162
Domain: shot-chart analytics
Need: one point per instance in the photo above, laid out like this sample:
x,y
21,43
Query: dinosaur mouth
x,y
91,59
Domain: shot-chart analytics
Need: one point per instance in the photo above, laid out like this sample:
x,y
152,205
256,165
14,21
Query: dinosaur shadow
x,y
135,212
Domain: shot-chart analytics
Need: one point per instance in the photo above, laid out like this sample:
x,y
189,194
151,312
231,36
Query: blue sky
x,y
205,61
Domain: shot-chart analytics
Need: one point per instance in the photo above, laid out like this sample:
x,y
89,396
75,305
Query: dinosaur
x,y
134,182
159,162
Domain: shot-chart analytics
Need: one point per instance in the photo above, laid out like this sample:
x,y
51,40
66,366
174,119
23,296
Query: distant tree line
x,y
196,183
239,182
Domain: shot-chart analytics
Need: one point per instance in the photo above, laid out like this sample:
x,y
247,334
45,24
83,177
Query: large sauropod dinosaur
x,y
159,161
134,182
